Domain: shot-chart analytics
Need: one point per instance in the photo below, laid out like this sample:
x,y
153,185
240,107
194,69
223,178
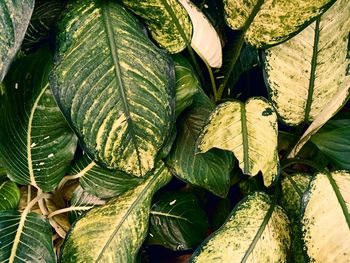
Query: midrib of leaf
x,y
262,226
170,215
239,46
244,138
312,71
130,210
339,198
117,72
29,138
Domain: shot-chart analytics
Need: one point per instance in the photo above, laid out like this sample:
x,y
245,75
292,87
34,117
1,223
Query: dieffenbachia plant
x,y
174,130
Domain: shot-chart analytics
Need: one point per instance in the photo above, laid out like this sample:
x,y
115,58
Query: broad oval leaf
x,y
256,231
187,83
249,131
266,23
113,85
9,195
101,182
14,20
36,143
326,218
25,237
306,72
155,14
210,170
177,221
115,231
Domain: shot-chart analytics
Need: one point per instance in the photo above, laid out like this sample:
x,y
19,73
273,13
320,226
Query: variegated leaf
x,y
256,231
9,195
114,232
267,22
306,72
36,143
326,218
14,20
249,131
114,85
155,14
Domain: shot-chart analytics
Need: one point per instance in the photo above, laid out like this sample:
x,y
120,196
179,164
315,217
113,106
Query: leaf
x,y
293,188
249,131
334,141
114,86
337,102
115,231
9,195
187,83
210,170
267,23
14,19
82,201
306,72
36,143
177,221
256,231
164,31
25,238
101,182
326,218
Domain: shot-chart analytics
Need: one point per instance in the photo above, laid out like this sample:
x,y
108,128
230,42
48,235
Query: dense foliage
x,y
174,131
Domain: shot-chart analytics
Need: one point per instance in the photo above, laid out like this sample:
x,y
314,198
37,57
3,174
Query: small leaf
x,y
187,83
14,20
114,232
267,23
177,221
115,87
256,231
101,182
9,195
249,131
326,218
25,237
210,170
306,72
36,143
334,141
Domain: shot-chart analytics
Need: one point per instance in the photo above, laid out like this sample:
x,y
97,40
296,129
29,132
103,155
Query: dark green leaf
x,y
9,195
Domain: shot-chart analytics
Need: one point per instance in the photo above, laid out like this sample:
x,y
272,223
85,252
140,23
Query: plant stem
x,y
76,176
68,209
293,183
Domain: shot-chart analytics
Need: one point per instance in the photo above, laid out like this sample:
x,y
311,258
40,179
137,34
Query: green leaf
x,y
115,231
267,23
256,231
36,143
293,188
326,218
113,85
334,141
306,72
248,130
177,221
25,237
158,20
210,170
9,195
101,182
14,19
187,83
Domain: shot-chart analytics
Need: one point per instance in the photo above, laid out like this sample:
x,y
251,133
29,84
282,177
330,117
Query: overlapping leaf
x,y
306,72
248,130
9,195
256,231
326,218
115,231
36,143
113,85
14,20
266,23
